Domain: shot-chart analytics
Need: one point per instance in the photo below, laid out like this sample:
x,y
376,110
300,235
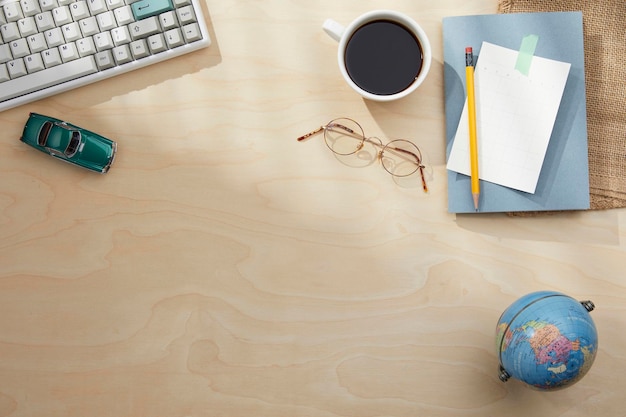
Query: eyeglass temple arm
x,y
333,125
308,135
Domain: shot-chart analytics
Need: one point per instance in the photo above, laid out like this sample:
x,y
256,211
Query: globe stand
x,y
503,374
588,304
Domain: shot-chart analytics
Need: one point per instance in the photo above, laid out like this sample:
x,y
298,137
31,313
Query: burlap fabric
x,y
604,31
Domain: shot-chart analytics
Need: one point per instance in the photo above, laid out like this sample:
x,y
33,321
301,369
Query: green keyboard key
x,y
149,8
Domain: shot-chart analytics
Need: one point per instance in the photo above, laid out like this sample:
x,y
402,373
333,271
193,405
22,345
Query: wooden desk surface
x,y
223,269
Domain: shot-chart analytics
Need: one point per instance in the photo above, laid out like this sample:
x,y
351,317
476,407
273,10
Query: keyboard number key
x,y
13,12
30,7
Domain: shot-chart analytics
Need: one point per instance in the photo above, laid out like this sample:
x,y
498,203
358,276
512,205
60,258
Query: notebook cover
x,y
564,180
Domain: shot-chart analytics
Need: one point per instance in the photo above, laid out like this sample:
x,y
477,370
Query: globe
x,y
546,339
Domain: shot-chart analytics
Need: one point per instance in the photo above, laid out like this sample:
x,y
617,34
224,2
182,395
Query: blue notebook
x,y
563,182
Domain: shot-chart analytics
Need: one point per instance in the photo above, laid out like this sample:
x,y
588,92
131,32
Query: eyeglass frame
x,y
419,164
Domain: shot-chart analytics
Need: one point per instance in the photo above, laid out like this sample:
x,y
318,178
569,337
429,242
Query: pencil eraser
x,y
468,50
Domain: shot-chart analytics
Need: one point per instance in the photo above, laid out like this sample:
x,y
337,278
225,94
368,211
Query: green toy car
x,y
69,143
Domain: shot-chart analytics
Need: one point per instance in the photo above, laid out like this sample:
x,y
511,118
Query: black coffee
x,y
383,57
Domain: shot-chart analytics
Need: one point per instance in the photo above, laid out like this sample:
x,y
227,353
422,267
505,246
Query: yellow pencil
x,y
471,110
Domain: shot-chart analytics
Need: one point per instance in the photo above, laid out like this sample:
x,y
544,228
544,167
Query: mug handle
x,y
333,29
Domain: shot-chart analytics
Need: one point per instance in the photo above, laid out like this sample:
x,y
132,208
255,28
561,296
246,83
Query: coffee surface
x,y
383,57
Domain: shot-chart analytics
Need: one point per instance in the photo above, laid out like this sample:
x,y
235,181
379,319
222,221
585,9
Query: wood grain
x,y
223,269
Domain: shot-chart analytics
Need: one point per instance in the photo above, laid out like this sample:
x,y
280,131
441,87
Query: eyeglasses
x,y
400,157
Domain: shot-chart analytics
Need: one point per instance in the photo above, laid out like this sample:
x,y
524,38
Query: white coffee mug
x,y
344,34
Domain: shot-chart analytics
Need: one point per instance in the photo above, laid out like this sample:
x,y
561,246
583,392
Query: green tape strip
x,y
526,52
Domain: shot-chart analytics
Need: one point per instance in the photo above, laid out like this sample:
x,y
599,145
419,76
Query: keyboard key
x,y
89,26
10,32
48,5
148,8
4,73
168,20
104,60
61,15
139,49
106,21
174,38
186,15
192,33
96,6
68,52
120,35
123,15
5,53
51,57
121,54
114,4
13,12
30,7
27,26
54,37
34,63
44,21
103,41
50,76
19,48
16,69
79,10
71,32
37,42
86,46
144,28
156,43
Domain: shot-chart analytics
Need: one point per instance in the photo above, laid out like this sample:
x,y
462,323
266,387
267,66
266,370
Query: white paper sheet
x,y
515,115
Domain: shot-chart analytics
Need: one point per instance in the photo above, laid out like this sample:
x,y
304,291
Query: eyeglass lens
x,y
344,136
401,157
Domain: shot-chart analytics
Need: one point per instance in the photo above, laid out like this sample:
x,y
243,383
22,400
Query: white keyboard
x,y
51,46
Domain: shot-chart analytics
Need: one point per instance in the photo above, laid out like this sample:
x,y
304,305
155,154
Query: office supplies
x,y
471,117
516,117
563,178
50,47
